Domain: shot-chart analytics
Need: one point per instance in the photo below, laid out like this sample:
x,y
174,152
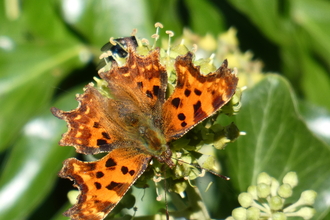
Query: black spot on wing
x,y
113,185
197,92
176,102
98,185
155,90
131,172
199,114
124,170
89,166
181,117
99,174
197,106
106,135
140,84
187,92
110,163
100,142
96,125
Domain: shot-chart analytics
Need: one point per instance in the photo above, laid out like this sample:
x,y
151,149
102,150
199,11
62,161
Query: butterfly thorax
x,y
156,144
147,134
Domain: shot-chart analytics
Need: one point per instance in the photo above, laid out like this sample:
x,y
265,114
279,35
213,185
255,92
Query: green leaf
x,y
315,82
27,82
166,12
33,21
204,18
277,141
314,17
299,28
35,55
33,163
317,120
97,21
59,215
265,15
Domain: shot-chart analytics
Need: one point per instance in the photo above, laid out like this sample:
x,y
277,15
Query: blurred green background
x,y
48,51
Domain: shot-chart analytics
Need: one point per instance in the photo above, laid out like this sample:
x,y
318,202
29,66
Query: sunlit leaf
x,y
27,83
33,163
204,18
97,21
277,142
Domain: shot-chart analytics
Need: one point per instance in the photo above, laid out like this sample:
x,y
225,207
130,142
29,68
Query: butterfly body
x,y
134,123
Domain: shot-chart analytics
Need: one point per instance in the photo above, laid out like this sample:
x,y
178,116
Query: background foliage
x,y
47,54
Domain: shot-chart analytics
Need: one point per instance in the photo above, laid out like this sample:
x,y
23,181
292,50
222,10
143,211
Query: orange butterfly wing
x,y
104,182
142,81
112,123
196,96
90,129
135,124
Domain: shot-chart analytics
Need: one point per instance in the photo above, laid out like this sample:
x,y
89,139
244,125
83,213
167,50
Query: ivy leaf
x,y
31,166
277,141
97,21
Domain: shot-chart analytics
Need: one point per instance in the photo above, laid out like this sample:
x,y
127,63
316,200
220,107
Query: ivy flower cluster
x,y
267,200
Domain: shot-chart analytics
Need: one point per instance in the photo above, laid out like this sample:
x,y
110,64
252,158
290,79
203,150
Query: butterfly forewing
x,y
142,81
91,129
196,96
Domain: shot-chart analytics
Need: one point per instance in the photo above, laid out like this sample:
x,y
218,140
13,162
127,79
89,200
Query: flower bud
x,y
276,203
245,199
179,186
285,190
72,196
253,213
279,216
306,213
253,191
206,65
291,178
239,213
308,197
263,190
264,178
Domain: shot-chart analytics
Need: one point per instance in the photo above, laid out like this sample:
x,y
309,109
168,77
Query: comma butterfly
x,y
134,122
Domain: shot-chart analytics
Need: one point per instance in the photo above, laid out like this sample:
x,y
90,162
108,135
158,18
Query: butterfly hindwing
x,y
103,183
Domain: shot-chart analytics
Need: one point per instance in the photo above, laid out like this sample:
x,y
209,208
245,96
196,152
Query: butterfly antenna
x,y
207,170
158,25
